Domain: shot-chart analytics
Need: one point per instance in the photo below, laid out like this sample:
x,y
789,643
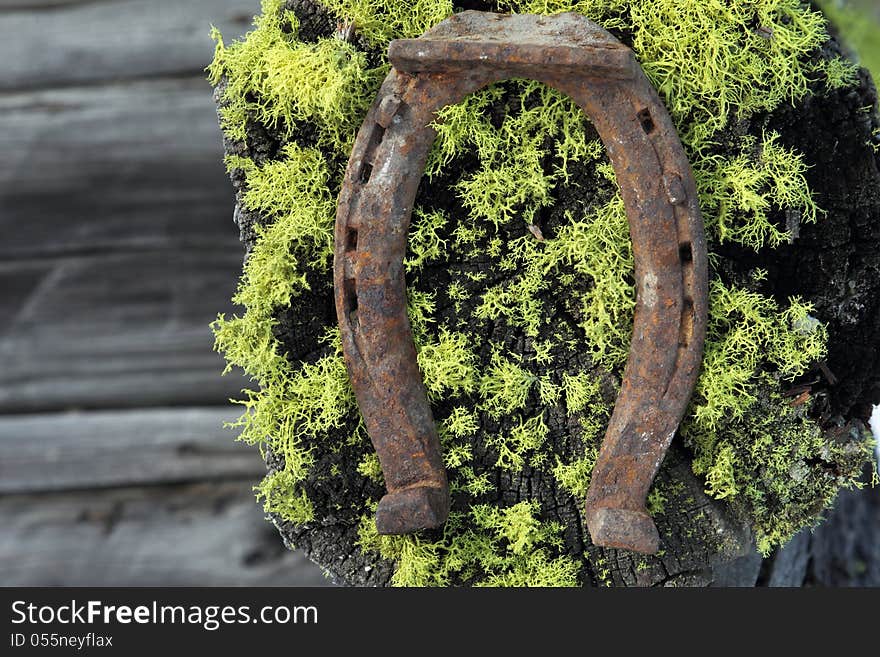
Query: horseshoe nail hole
x,y
351,295
687,323
685,252
366,172
366,166
647,121
351,240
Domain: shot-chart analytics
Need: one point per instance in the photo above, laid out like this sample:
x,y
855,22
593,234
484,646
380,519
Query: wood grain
x,y
115,331
59,44
209,534
40,5
66,451
118,250
114,168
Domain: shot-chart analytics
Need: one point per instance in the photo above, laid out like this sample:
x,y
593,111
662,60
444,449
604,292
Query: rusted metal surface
x,y
568,52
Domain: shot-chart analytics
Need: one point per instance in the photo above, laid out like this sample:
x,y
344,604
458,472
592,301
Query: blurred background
x,y
117,249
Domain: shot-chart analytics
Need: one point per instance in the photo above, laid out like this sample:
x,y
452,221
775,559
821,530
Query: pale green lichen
x,y
714,58
282,82
841,73
448,365
574,476
748,331
380,21
505,386
426,244
370,468
492,546
739,195
776,466
581,390
524,440
656,502
462,422
720,476
712,62
512,180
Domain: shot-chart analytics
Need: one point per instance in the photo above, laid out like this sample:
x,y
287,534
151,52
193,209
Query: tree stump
x,y
524,376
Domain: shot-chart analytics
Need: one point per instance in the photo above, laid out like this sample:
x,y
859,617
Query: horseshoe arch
x,y
577,57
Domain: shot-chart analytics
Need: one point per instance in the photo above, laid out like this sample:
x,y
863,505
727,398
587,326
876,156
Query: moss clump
x,y
747,332
380,21
841,73
505,387
775,465
521,329
739,195
712,59
448,365
490,546
512,179
284,82
525,439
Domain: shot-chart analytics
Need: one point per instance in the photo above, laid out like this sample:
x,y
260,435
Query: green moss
x,y
448,366
507,154
491,546
739,195
505,387
841,73
762,455
380,21
282,82
712,59
776,466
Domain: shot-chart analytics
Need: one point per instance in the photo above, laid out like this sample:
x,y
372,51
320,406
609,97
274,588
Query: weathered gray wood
x,y
119,167
192,535
118,249
65,451
39,5
96,41
789,566
121,330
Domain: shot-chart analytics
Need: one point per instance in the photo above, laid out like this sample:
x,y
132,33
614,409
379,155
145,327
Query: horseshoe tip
x,y
412,509
623,528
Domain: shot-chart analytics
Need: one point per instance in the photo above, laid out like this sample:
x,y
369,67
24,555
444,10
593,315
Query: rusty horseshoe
x,y
577,57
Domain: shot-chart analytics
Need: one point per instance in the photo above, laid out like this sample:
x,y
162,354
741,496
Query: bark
x,y
834,263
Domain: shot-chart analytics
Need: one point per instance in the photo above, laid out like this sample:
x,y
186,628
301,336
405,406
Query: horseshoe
x,y
570,53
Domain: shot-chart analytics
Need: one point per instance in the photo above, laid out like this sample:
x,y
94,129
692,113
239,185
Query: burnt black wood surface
x,y
118,249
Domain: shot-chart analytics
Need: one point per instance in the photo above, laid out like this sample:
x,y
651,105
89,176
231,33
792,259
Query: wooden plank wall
x,y
118,249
